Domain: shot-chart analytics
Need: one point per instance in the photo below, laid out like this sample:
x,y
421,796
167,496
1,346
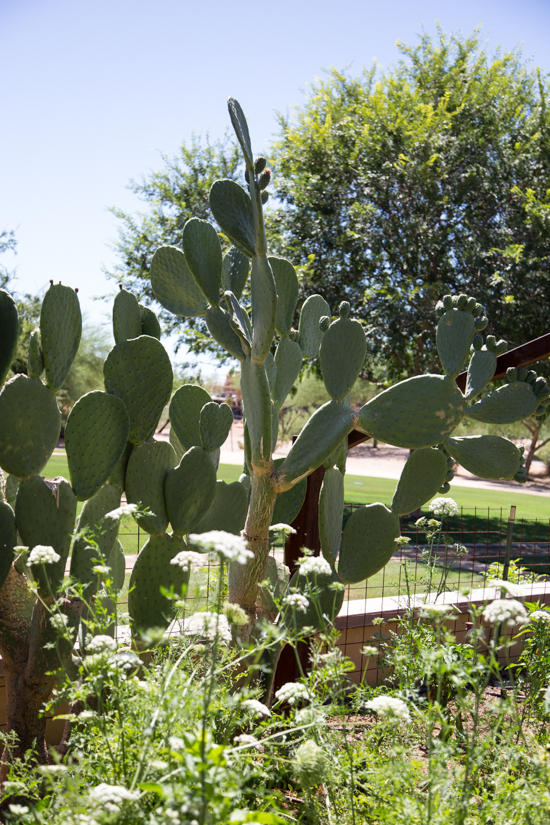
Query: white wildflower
x,y
443,507
102,569
42,554
59,621
208,625
293,692
226,545
388,707
52,769
111,797
509,587
310,716
247,740
126,659
176,743
435,610
186,558
316,565
123,510
309,764
370,650
505,611
235,614
284,529
297,601
101,644
547,700
19,810
543,615
256,707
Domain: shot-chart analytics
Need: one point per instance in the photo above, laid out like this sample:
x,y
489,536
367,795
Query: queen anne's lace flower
x,y
434,610
186,558
315,565
508,612
298,601
247,739
101,644
293,692
228,546
111,797
207,625
389,707
256,707
59,621
42,554
540,615
443,507
127,660
509,587
309,764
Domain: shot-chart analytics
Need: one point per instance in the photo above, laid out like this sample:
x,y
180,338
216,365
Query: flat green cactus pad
x,y
422,476
219,326
99,536
189,490
278,576
342,355
126,316
227,511
419,412
95,438
314,308
481,369
487,456
257,407
117,563
331,513
45,513
10,491
512,402
185,412
322,434
30,424
368,542
455,333
338,458
286,282
232,209
235,271
35,359
139,372
118,476
9,333
289,503
8,539
60,332
203,254
288,361
152,571
149,322
148,466
264,306
271,371
240,322
238,121
173,284
324,602
215,423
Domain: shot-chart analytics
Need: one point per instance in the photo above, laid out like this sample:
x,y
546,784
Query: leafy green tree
x,y
7,243
398,187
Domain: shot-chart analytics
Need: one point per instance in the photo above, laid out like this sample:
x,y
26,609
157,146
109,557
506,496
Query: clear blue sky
x,y
91,92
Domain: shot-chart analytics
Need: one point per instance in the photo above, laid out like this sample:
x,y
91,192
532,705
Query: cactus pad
x,y
342,355
512,402
264,306
331,513
149,322
422,476
117,562
227,511
103,530
8,539
126,316
95,438
487,456
324,602
481,369
117,477
9,333
368,542
240,126
309,330
215,423
219,326
30,424
455,333
419,412
35,359
189,490
289,503
203,254
288,361
60,331
257,408
148,466
173,284
232,209
286,282
139,372
185,411
235,270
152,571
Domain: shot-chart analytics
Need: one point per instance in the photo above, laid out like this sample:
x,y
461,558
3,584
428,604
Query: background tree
x,y
7,243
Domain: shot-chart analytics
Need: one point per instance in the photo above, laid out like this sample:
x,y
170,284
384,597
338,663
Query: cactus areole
x,y
111,446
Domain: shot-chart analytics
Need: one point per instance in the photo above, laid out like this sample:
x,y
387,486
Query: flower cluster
x,y
42,554
309,764
293,692
208,625
297,601
247,740
255,707
59,621
314,565
228,546
505,611
443,507
186,558
111,797
101,644
388,707
235,614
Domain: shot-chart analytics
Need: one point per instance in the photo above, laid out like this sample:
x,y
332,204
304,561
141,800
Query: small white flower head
x,y
176,743
402,540
509,587
256,708
19,810
314,565
102,569
282,530
443,507
246,740
111,797
123,510
297,601
228,546
127,660
507,612
235,614
186,559
42,554
310,716
293,692
547,700
51,770
310,764
370,650
389,707
60,622
208,625
101,644
435,610
542,616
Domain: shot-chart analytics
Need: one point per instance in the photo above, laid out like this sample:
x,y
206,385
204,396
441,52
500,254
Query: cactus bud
x,y
522,373
447,301
439,309
324,322
521,448
511,374
445,487
470,304
450,475
294,335
482,322
539,384
264,179
520,477
478,341
259,165
541,409
543,394
501,347
531,377
462,301
344,309
264,197
477,310
450,463
455,301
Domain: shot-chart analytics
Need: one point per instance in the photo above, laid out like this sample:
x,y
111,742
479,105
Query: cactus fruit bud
x,y
462,301
450,475
263,180
264,197
439,309
324,322
521,449
295,335
344,309
539,384
520,477
501,347
543,394
481,322
541,409
447,301
511,374
247,175
259,165
455,301
478,341
531,377
522,373
491,342
470,304
450,463
445,488
477,310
